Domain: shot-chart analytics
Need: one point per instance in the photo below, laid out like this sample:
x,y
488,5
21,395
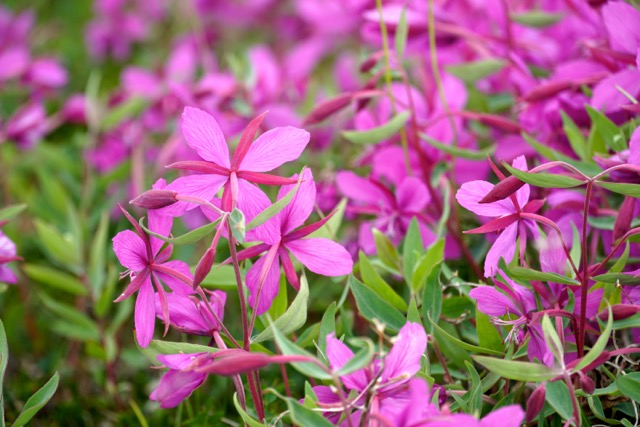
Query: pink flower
x,y
190,315
281,239
507,217
146,262
7,254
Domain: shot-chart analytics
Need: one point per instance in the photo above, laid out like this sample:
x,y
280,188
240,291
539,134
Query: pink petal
x,y
269,288
492,302
361,190
141,82
504,247
299,209
522,195
145,315
275,147
339,354
202,133
130,250
623,26
404,357
634,148
252,201
204,186
472,192
412,195
173,283
176,386
507,416
322,256
608,98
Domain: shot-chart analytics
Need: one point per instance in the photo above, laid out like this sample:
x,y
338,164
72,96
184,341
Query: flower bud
x,y
204,267
155,199
586,383
536,402
619,311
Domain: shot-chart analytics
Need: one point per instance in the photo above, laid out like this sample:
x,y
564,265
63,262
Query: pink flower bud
x,y
586,383
619,311
536,402
155,199
204,267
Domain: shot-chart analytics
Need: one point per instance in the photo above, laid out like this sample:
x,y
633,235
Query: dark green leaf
x,y
609,131
386,250
463,345
632,190
377,284
306,368
574,135
559,398
327,326
629,385
371,306
528,274
426,264
516,370
306,417
544,180
412,249
432,299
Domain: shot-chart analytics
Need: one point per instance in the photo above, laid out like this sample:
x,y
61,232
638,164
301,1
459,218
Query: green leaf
x,y
220,276
37,401
629,322
373,281
426,264
432,299
474,395
306,368
488,335
386,250
4,360
371,306
327,326
275,208
281,301
238,228
559,398
330,228
629,385
361,359
157,347
471,72
293,318
55,279
544,180
402,31
537,18
413,315
609,131
126,110
185,239
463,153
306,417
459,343
516,370
380,133
574,135
57,247
599,346
622,278
632,190
528,274
97,256
71,323
552,339
411,249
10,212
243,414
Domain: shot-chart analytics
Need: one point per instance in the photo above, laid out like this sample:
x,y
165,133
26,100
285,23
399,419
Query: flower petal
x,y
252,201
299,209
269,288
322,256
404,357
507,416
339,354
412,195
361,190
504,247
204,186
493,302
202,133
176,386
472,192
130,250
173,283
275,147
145,315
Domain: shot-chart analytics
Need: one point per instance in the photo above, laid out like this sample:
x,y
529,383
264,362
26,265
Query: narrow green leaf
x,y
433,257
537,18
56,246
10,212
386,250
609,131
599,346
238,226
466,346
632,190
275,208
552,339
55,279
432,299
306,417
516,370
413,315
330,228
292,319
380,133
474,395
629,385
559,398
402,31
126,110
412,249
463,153
371,306
243,414
488,335
306,368
528,274
544,180
361,359
471,72
220,276
376,283
281,301
37,401
4,360
574,135
185,239
97,256
622,278
73,323
327,326
158,347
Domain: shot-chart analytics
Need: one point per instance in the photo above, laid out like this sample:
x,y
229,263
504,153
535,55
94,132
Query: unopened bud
x,y
536,402
619,312
502,190
155,199
586,383
204,267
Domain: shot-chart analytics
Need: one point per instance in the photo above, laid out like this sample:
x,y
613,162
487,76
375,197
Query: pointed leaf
x,y
516,370
376,283
371,306
37,401
544,180
275,208
55,279
380,133
471,72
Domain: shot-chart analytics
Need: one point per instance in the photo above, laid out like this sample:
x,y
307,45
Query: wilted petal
x,y
145,315
322,256
269,288
504,247
175,386
130,250
472,192
412,195
202,133
339,354
299,209
275,147
403,360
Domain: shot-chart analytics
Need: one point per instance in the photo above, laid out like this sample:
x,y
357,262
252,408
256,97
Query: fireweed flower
x,y
322,256
507,214
393,212
391,374
190,315
146,263
248,164
7,254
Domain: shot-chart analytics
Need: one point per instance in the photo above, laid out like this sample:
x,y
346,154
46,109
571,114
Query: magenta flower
x,y
190,315
393,212
248,164
399,366
181,380
322,256
7,254
141,254
507,214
